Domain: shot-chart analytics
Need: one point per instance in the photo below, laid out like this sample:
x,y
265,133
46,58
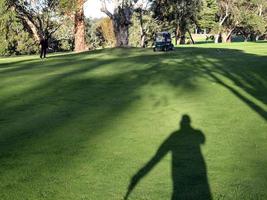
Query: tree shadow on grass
x,y
30,117
92,93
189,173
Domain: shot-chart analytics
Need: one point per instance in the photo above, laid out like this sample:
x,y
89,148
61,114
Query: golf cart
x,y
163,42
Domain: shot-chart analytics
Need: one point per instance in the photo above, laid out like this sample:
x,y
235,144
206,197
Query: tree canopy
x,y
132,22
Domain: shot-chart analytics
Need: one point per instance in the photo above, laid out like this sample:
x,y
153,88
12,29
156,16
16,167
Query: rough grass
x,y
80,126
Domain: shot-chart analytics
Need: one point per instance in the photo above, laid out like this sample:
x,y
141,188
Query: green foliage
x,y
67,6
150,25
93,38
24,43
247,17
14,38
206,18
252,20
185,12
105,27
100,33
179,14
64,36
55,18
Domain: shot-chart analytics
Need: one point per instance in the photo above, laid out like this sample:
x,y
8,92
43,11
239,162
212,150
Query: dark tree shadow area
x,y
189,173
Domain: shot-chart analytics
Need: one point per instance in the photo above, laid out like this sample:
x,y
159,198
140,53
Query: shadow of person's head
x,y
185,122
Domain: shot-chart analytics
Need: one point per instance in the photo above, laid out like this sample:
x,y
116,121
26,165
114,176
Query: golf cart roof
x,y
163,33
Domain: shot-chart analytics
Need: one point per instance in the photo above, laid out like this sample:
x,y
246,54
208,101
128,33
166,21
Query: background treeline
x,y
23,23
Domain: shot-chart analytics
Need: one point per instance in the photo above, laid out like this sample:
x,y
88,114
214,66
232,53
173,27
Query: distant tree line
x,y
23,23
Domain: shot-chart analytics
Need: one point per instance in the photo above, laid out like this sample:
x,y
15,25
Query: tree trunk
x,y
229,36
192,40
121,19
36,33
143,41
246,36
27,18
121,34
121,22
142,31
224,37
252,37
177,35
79,29
217,38
143,34
182,40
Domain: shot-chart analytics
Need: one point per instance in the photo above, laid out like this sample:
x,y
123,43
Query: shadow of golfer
x,y
189,173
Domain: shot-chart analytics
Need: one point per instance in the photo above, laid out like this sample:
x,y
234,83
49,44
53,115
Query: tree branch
x,y
105,10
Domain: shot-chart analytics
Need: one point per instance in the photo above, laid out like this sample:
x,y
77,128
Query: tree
x,y
94,39
243,15
207,14
143,30
121,19
105,28
142,15
25,22
14,38
254,19
75,10
79,27
39,17
180,13
227,19
186,14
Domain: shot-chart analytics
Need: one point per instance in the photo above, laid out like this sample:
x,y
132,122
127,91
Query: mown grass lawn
x,y
80,126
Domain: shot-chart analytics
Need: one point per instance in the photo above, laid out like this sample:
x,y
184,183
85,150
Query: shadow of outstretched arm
x,y
162,151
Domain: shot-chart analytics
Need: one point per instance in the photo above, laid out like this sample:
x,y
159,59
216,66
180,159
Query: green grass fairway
x,y
82,126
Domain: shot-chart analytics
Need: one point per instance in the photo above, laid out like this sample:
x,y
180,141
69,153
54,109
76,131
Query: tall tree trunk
x,y
121,34
177,34
121,19
253,37
229,35
142,31
217,38
183,32
224,37
245,36
143,41
79,28
229,39
192,40
34,26
34,29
